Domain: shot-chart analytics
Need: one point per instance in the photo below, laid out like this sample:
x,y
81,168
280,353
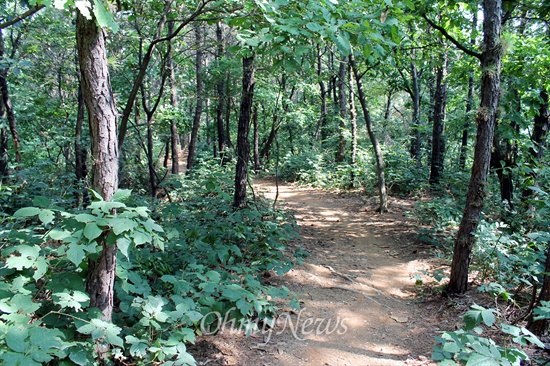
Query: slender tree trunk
x,y
81,155
343,107
102,112
486,117
243,146
222,98
256,139
323,96
174,134
353,118
465,131
540,327
198,106
4,167
383,207
415,96
10,114
150,161
438,139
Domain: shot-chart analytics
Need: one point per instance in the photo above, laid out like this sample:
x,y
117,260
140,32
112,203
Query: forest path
x,y
356,288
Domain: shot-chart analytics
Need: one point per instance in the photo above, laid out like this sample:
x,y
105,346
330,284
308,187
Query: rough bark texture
x,y
243,146
99,100
256,139
222,99
174,134
4,171
438,139
323,96
486,116
383,196
10,114
343,108
198,103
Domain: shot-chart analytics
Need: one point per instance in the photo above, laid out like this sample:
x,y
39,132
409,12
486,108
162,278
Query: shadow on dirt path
x,y
356,288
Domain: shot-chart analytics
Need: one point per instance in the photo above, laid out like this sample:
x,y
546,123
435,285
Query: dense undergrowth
x,y
183,267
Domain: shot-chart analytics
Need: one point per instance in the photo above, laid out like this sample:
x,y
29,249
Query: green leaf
x,y
27,212
481,360
16,338
77,300
123,244
41,201
85,218
46,216
103,17
81,357
121,195
76,253
58,234
488,317
41,265
121,225
92,231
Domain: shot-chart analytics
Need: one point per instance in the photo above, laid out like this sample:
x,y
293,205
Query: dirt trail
x,y
356,289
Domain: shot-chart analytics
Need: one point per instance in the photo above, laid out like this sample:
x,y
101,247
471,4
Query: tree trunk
x,y
465,131
415,96
323,95
343,107
174,135
243,146
81,155
383,207
222,98
540,327
10,114
486,116
353,118
256,139
102,112
4,167
198,105
438,140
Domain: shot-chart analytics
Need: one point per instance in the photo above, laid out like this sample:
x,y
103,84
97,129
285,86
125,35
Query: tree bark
x,y
465,130
486,117
323,96
222,99
415,96
4,167
343,114
540,327
81,155
174,134
383,196
198,104
243,146
99,100
10,114
438,139
257,164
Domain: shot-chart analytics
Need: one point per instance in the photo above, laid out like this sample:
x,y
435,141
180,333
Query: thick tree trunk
x,y
416,137
10,114
198,105
486,117
438,139
81,155
243,146
343,114
102,112
383,207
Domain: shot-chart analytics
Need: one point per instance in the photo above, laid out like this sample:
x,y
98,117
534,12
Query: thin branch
x,y
459,45
20,17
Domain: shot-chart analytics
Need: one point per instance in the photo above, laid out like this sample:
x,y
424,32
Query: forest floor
x,y
360,304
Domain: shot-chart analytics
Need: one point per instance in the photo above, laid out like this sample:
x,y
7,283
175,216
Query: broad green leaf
x,y
92,231
41,265
141,237
27,212
77,300
41,201
46,338
121,195
103,17
121,225
46,216
76,254
16,338
85,218
481,360
488,317
123,244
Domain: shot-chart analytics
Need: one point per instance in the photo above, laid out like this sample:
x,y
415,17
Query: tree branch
x,y
459,45
20,17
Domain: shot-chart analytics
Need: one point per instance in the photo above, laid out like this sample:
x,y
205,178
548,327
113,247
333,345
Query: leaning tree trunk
x,y
198,106
243,146
438,140
102,112
486,117
374,141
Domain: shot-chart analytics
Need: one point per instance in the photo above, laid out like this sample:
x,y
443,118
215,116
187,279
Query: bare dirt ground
x,y
357,290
